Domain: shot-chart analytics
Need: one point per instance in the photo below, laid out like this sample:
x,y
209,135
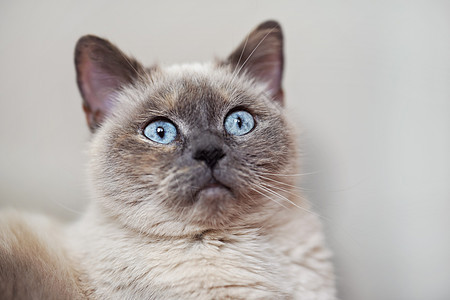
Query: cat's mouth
x,y
213,188
213,193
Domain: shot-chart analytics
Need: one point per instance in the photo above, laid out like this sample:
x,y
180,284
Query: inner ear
x,y
102,69
261,56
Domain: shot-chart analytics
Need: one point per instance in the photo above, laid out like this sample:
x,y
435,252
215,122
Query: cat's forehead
x,y
183,86
208,80
191,87
187,68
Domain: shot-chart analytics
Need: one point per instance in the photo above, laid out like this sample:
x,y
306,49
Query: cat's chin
x,y
214,204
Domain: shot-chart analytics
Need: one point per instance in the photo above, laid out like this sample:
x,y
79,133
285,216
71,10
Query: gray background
x,y
368,82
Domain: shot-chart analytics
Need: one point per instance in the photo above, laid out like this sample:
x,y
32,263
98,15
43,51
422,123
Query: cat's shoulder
x,y
33,262
21,230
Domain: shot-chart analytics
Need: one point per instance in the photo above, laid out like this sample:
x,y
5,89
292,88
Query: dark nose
x,y
208,148
210,156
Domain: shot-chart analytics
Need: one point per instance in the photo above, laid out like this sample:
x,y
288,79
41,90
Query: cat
x,y
192,177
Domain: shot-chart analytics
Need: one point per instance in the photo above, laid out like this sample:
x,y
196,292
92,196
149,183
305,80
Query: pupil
x,y
160,132
239,122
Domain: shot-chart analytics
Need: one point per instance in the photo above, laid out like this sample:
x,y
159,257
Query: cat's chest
x,y
202,268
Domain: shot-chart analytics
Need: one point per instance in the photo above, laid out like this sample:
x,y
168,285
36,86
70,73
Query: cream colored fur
x,y
277,253
108,261
34,263
246,263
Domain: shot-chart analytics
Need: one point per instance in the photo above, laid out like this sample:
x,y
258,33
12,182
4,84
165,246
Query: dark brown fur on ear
x,y
261,55
101,70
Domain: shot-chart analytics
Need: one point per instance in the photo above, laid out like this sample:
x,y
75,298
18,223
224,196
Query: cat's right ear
x,y
260,55
102,69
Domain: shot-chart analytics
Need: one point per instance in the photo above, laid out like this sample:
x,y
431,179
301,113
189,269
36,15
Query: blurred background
x,y
367,82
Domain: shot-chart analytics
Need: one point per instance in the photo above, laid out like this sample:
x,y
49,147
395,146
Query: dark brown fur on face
x,y
199,113
181,178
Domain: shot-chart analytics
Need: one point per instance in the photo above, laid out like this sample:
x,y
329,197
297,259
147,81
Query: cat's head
x,y
188,146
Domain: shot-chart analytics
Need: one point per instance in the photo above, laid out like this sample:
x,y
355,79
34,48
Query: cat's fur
x,y
163,224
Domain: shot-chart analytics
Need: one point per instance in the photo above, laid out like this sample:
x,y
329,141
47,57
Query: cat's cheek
x,y
277,146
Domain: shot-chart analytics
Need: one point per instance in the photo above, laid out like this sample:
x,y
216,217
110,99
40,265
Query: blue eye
x,y
162,132
239,123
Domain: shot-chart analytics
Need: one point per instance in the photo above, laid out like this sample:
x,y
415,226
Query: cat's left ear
x,y
261,56
102,69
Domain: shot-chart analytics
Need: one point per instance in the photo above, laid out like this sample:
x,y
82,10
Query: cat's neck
x,y
108,251
284,226
98,223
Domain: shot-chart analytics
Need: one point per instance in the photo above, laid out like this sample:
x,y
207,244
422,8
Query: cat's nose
x,y
210,155
208,148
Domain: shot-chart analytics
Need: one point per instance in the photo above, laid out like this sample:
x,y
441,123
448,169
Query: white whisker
x,y
283,190
140,75
250,55
280,182
270,198
242,53
67,208
291,175
267,189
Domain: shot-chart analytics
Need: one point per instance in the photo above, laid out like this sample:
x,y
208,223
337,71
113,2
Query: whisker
x,y
67,208
251,54
242,53
283,190
140,75
153,111
291,175
270,198
313,205
280,182
267,189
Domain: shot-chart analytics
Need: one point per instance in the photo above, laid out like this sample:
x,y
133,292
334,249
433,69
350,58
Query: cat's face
x,y
192,146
